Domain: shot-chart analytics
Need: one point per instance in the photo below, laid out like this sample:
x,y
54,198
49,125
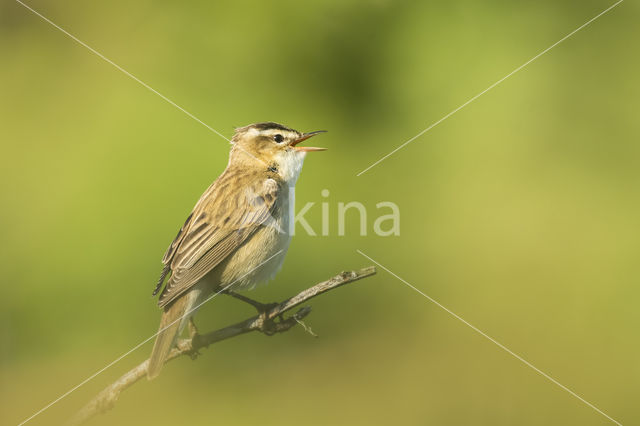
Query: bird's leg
x,y
193,329
262,308
195,336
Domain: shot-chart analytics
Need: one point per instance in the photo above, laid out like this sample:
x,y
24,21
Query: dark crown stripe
x,y
270,125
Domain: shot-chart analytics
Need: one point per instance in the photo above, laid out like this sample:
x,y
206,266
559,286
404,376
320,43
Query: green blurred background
x,y
520,213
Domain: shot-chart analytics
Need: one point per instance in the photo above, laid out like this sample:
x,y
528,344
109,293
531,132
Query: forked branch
x,y
270,322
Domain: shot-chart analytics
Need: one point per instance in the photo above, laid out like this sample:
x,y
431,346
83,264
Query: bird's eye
x,y
278,138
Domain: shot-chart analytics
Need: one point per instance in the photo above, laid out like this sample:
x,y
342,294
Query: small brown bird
x,y
238,232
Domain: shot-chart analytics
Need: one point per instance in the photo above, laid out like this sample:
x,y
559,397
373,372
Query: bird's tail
x,y
174,318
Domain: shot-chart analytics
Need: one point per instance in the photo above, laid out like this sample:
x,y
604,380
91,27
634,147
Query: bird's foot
x,y
264,309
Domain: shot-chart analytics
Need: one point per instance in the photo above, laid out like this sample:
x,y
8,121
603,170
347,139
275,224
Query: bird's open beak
x,y
304,137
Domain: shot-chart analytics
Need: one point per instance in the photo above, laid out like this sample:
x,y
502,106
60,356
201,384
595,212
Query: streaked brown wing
x,y
168,255
221,221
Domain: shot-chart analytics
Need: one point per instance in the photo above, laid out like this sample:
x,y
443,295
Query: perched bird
x,y
238,232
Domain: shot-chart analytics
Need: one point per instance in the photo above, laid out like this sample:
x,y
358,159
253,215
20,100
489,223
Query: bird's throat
x,y
290,165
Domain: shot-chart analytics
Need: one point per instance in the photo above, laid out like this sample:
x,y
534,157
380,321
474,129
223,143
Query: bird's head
x,y
273,145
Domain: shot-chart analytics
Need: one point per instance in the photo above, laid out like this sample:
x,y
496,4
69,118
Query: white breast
x,y
262,257
261,264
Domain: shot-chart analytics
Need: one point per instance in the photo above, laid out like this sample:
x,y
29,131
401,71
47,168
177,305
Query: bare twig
x,y
265,323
